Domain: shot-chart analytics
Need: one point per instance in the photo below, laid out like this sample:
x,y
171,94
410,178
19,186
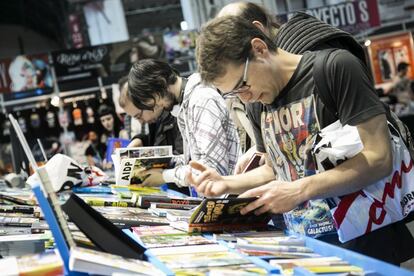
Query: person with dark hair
x,y
299,34
95,152
240,60
401,85
209,136
110,123
161,133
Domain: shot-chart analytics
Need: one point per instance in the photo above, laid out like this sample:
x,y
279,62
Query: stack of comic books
x,y
130,162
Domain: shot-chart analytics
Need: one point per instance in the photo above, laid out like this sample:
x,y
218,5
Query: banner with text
x,y
352,17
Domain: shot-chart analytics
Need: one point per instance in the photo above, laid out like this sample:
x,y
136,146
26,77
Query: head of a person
x,y
148,93
92,137
106,116
239,59
402,69
253,13
22,74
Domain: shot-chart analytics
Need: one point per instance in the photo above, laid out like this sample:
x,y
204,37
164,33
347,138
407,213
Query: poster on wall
x,y
387,51
105,21
83,63
25,72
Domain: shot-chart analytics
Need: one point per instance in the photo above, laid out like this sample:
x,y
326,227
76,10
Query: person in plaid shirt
x,y
209,134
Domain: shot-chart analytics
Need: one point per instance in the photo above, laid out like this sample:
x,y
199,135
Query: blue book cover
x,y
112,144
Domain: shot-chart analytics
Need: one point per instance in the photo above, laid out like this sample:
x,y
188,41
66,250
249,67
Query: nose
x,y
245,97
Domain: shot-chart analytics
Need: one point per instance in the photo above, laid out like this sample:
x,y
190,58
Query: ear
x,y
260,26
259,47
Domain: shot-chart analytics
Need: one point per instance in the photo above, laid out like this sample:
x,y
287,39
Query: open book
x,y
132,161
222,214
99,230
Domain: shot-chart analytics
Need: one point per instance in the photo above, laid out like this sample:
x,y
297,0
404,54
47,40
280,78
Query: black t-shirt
x,y
288,126
349,83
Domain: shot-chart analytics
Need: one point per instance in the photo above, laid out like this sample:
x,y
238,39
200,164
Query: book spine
x,y
145,201
103,203
160,205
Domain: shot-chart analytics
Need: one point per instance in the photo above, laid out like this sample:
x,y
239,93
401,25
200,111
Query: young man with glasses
x,y
239,59
208,133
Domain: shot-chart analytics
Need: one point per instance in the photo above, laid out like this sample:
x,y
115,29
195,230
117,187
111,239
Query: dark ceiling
x,y
49,17
46,17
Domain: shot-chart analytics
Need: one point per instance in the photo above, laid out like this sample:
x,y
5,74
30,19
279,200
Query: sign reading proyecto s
x,y
351,17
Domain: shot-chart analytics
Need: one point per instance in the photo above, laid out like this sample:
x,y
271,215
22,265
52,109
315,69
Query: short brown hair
x,y
223,40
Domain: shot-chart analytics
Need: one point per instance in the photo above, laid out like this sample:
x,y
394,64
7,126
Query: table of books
x,y
168,230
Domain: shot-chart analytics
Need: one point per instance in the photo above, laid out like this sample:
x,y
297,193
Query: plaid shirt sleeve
x,y
212,138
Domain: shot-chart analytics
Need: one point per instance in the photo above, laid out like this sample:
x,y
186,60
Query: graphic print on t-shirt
x,y
288,133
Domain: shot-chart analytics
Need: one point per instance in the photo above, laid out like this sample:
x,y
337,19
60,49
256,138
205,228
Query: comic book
x,y
287,240
222,214
94,262
134,160
167,240
154,230
202,259
243,269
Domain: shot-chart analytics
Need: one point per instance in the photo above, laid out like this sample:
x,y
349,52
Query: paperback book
x,y
133,161
154,230
94,262
222,214
167,240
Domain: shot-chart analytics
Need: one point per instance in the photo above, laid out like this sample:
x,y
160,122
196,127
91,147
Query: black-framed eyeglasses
x,y
241,86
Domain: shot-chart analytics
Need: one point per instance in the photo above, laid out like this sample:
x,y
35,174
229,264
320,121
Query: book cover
x,y
166,240
274,248
243,269
289,240
234,235
94,262
178,215
203,259
134,160
154,230
137,220
112,145
131,168
18,221
221,214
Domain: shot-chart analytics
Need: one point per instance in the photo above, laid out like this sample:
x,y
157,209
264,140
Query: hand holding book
x,y
275,197
152,177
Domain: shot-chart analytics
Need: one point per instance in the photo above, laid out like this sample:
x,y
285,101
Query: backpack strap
x,y
321,81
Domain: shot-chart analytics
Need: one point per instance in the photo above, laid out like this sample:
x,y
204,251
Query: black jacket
x,y
163,132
